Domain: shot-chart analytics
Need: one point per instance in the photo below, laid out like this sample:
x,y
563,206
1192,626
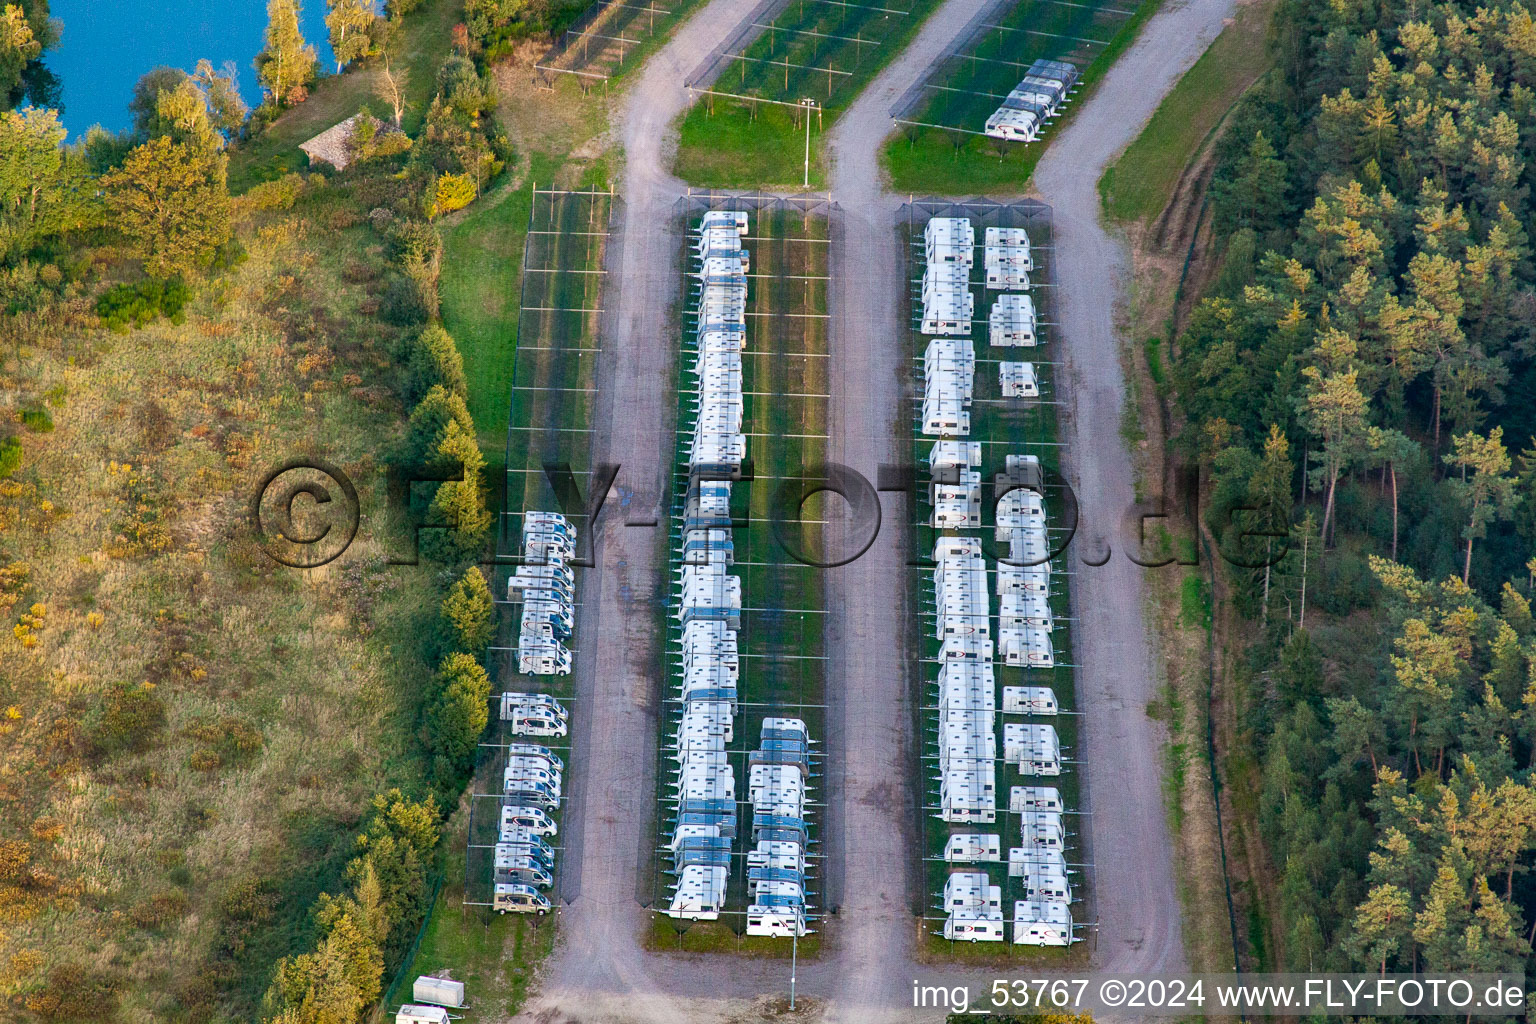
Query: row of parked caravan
x,y
533,779
545,585
971,901
778,781
1024,113
704,824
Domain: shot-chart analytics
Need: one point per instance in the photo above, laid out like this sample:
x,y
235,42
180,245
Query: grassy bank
x,y
1140,184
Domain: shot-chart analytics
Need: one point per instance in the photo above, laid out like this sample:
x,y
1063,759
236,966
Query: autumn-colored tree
x,y
222,90
287,63
1429,668
1383,925
459,505
351,24
171,205
19,46
1336,411
452,192
1485,484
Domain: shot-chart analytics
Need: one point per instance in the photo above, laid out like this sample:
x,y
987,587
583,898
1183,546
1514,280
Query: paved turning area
x,y
599,972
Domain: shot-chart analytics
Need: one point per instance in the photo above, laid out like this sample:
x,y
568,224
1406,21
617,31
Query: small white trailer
x,y
442,991
1026,647
960,652
974,926
1033,749
973,848
1023,579
1042,923
949,240
948,312
971,890
968,795
954,455
1040,883
699,893
1018,380
1042,830
1030,700
735,220
1024,610
1022,861
1028,799
1011,322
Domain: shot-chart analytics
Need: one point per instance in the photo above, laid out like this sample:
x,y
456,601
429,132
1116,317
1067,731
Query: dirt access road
x,y
599,972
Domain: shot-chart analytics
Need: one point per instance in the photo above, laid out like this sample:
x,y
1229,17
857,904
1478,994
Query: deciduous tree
x,y
287,62
19,46
351,25
44,189
170,203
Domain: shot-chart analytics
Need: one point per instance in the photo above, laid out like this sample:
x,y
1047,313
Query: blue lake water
x,y
107,45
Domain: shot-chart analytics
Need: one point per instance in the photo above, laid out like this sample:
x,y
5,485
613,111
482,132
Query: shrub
x,y
129,717
136,305
10,456
160,909
37,420
74,993
279,194
453,192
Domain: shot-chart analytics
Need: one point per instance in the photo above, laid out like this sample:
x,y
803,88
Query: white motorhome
x,y
775,921
532,819
519,899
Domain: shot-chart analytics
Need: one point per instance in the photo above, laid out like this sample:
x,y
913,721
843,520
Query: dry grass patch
x,y
196,730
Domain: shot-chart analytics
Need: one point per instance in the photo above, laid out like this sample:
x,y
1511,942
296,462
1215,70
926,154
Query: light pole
x,y
808,104
794,948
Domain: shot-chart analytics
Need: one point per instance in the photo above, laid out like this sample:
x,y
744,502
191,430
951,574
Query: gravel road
x,y
1134,885
599,972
